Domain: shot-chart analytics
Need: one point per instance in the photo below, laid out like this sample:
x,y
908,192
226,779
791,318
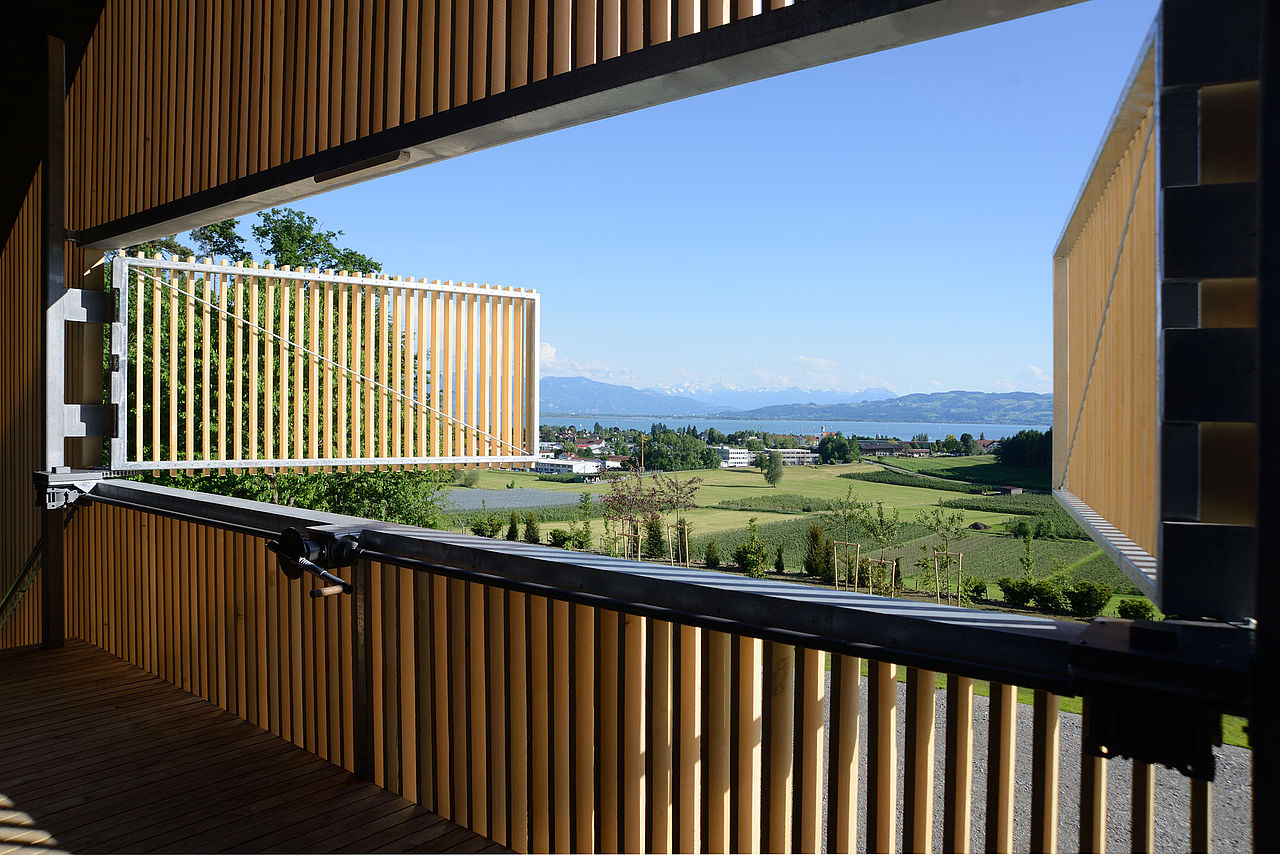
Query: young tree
x,y
778,563
818,559
655,541
948,527
682,541
773,468
531,532
752,556
513,527
711,556
967,445
842,517
880,527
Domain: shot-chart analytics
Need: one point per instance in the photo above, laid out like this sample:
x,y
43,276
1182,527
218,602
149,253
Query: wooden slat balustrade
x,y
551,724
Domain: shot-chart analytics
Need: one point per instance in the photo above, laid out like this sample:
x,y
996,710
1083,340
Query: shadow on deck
x,y
99,756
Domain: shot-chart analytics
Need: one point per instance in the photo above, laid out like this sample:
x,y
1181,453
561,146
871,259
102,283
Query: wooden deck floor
x,y
98,756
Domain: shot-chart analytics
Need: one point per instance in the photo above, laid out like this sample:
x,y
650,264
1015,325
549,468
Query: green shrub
x,y
1023,529
488,525
560,538
781,503
1018,593
466,477
513,527
655,540
531,532
564,478
818,558
752,556
1088,599
1136,609
1049,598
977,589
711,557
885,476
778,563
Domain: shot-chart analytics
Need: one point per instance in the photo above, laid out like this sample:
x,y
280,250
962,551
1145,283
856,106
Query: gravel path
x,y
1232,789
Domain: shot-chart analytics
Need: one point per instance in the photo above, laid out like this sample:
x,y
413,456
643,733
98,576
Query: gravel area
x,y
475,498
1232,788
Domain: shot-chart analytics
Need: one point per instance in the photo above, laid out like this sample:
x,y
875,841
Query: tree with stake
x,y
881,528
950,529
842,516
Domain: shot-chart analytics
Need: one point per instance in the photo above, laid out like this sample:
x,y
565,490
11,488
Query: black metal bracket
x,y
317,550
1126,671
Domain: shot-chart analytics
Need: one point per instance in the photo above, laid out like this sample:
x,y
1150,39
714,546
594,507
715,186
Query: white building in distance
x,y
734,458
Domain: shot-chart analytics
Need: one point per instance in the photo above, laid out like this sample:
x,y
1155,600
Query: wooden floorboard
x,y
98,756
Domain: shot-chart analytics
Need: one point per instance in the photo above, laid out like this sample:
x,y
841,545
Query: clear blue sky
x,y
882,221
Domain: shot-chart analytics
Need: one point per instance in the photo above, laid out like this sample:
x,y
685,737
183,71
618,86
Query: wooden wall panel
x,y
264,84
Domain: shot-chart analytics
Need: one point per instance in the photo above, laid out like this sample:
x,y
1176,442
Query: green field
x,y
980,469
729,498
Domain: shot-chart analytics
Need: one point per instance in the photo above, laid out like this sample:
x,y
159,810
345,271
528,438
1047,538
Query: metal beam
x,y
54,287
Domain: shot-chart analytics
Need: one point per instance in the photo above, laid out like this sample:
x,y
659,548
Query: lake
x,y
901,430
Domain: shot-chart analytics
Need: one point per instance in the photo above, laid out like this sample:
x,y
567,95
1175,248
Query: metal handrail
x,y
1202,664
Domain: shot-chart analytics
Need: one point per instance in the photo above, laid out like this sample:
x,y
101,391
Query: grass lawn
x,y
979,469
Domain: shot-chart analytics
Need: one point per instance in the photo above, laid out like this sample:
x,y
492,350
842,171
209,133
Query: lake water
x,y
901,430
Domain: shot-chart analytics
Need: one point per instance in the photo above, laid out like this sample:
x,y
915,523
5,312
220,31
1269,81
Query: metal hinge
x,y
65,487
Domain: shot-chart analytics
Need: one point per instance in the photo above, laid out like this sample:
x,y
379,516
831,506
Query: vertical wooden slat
x,y
634,791
780,660
1093,803
397,344
518,720
296,341
315,428
1201,816
608,768
958,769
268,380
499,699
1000,767
1142,827
457,689
1044,772
426,712
562,742
479,750
882,759
750,724
842,818
346,346
809,746
689,769
206,389
661,745
176,282
917,816
540,795
443,697
718,710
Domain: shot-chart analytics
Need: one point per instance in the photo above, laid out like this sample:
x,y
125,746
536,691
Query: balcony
x,y
544,700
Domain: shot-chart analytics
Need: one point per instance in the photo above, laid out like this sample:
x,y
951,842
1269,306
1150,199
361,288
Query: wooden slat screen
x,y
552,726
1105,320
227,368
265,82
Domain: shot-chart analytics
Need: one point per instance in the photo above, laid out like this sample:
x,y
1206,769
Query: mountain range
x,y
580,396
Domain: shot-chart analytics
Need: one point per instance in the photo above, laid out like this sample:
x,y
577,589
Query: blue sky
x,y
883,221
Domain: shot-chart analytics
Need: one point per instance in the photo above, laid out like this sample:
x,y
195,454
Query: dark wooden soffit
x,y
807,34
23,30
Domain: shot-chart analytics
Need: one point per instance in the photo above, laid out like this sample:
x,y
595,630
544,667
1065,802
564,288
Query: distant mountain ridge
x,y
581,396
991,408
725,398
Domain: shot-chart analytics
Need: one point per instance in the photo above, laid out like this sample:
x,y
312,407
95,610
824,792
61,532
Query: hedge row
x,y
545,513
1051,520
780,503
902,479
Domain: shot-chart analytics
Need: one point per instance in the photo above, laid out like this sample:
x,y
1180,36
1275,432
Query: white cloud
x,y
552,364
935,384
818,363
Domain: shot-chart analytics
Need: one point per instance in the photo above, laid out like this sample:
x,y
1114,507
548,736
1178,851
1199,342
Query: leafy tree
x,y
920,437
682,541
582,536
951,445
1029,448
967,445
715,437
289,236
531,532
837,449
754,445
220,240
166,246
778,563
513,527
752,556
773,468
560,538
711,555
